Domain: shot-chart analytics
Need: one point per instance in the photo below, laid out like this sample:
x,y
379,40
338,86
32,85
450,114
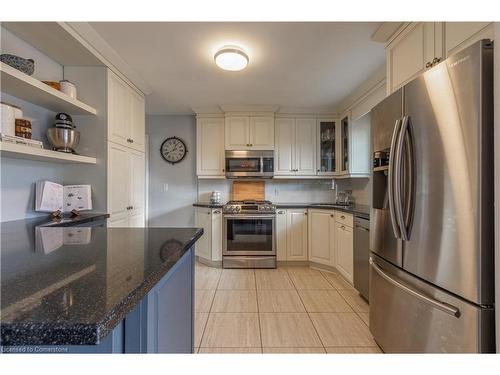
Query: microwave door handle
x,y
391,178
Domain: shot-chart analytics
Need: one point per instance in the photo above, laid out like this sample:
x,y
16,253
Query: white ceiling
x,y
293,65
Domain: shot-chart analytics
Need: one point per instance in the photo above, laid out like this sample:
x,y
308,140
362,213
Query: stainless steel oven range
x,y
249,239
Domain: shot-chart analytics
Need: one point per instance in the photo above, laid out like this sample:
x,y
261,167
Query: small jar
x,y
68,88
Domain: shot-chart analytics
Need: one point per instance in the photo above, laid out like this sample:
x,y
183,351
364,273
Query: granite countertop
x,y
65,220
207,205
355,209
73,285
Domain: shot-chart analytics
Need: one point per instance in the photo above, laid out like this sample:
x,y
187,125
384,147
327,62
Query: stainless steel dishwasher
x,y
361,255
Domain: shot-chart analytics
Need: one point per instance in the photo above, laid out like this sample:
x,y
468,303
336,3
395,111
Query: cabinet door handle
x,y
131,140
342,227
331,215
305,213
428,65
216,212
208,213
342,217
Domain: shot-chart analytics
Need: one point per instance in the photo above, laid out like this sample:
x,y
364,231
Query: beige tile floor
x,y
286,310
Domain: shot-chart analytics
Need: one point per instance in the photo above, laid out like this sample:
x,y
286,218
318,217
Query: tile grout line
x,y
258,313
209,312
308,315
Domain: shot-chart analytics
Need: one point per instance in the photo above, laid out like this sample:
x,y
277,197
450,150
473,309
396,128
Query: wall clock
x,y
173,150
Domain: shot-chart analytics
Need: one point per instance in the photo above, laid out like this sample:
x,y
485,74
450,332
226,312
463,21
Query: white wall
x,y
175,206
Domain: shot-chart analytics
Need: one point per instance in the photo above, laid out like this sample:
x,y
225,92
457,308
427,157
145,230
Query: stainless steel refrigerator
x,y
431,231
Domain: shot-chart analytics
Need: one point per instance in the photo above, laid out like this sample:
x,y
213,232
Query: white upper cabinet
x,y
416,46
322,237
249,133
126,114
262,133
353,145
295,151
237,133
118,105
460,35
210,147
305,146
327,147
137,121
284,152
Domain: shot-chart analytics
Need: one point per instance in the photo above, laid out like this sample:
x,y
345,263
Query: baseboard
x,y
323,267
209,263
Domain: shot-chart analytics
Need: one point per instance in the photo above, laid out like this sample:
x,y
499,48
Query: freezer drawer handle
x,y
447,308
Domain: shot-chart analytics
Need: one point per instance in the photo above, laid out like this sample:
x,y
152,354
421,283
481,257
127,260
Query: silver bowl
x,y
65,140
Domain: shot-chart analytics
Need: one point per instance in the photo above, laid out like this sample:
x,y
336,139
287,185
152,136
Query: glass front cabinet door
x,y
327,147
344,146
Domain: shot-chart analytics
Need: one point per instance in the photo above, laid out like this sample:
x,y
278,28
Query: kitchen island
x,y
97,290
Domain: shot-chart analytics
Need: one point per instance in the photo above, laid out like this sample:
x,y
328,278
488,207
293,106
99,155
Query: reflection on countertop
x,y
81,286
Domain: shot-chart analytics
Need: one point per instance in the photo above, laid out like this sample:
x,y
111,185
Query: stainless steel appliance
x,y
361,270
432,265
249,164
249,239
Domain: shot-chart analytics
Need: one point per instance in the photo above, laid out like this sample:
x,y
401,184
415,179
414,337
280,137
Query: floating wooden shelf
x,y
25,87
380,169
11,150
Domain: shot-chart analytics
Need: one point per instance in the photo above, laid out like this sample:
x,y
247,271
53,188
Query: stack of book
x,y
20,141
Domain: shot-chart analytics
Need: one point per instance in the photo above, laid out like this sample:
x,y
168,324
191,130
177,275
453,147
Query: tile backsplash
x,y
286,191
278,191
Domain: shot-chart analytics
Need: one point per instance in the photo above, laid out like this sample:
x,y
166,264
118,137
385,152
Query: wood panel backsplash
x,y
248,190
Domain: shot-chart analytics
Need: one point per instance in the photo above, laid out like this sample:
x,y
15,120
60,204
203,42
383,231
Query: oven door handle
x,y
244,217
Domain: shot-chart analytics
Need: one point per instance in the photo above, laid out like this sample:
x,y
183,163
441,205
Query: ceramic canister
x,y
68,88
8,125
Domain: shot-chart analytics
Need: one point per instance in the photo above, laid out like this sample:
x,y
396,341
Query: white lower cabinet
x,y
322,236
281,235
209,246
344,250
204,220
126,186
296,222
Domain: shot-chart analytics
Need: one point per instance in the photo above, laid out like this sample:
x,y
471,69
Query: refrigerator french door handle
x,y
409,205
443,306
390,180
398,179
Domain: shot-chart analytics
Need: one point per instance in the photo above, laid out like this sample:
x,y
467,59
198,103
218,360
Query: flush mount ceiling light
x,y
231,58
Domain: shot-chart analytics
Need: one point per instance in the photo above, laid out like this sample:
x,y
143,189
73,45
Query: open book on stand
x,y
52,197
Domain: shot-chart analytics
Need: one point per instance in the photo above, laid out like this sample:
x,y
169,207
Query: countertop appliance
x,y
249,234
432,265
249,164
361,255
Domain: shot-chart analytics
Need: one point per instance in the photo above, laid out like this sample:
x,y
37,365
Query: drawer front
x,y
344,218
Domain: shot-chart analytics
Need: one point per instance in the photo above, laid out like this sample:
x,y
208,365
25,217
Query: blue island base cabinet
x,y
162,322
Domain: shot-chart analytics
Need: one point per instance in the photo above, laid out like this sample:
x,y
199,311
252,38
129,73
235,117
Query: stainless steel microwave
x,y
250,164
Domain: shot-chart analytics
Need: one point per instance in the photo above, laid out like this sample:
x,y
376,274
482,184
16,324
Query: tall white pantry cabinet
x,y
126,158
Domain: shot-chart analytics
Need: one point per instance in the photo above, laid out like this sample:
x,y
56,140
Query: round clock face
x,y
173,150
